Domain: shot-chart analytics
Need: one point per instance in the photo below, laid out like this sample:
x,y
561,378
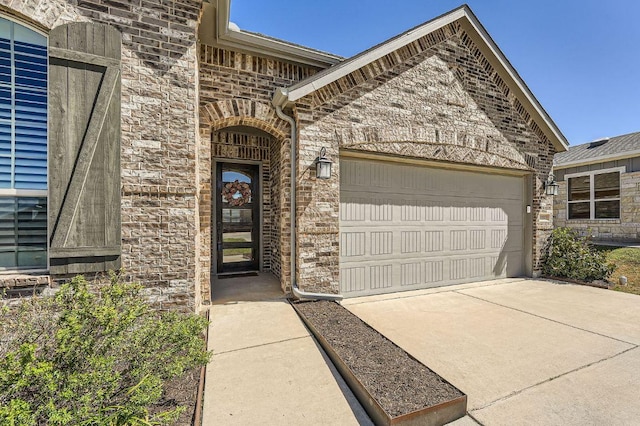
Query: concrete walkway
x,y
525,351
266,368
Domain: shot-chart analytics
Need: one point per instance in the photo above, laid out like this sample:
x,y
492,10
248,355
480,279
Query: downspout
x,y
278,101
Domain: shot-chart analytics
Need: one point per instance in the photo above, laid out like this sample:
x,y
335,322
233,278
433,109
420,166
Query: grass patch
x,y
627,261
235,251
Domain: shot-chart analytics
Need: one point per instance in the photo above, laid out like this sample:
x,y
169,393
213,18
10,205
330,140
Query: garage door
x,y
405,227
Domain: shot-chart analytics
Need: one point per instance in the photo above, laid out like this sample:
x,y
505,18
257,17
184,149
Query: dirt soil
x,y
399,382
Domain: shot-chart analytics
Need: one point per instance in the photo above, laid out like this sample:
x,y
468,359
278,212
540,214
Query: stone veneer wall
x,y
236,90
159,125
437,98
627,228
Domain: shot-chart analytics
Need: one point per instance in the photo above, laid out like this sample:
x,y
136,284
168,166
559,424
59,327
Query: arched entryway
x,y
244,225
246,207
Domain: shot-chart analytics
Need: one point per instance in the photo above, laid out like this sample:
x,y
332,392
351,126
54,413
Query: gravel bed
x,y
399,382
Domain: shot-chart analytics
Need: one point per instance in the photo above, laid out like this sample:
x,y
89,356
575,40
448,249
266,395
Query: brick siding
x,y
236,90
159,134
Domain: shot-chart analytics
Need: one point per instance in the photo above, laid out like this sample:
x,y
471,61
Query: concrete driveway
x,y
524,351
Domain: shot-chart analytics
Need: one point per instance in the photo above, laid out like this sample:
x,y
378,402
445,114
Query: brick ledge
x,y
24,281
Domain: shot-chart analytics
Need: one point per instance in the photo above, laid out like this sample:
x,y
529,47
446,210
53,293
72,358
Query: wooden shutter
x,y
84,148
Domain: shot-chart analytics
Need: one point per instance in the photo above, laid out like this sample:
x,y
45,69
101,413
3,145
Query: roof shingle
x,y
590,151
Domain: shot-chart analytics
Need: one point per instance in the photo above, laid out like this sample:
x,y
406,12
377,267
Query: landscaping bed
x,y
97,352
180,392
627,261
392,386
596,283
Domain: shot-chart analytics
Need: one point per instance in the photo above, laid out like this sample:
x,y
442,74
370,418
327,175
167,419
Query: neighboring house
x,y
170,153
599,188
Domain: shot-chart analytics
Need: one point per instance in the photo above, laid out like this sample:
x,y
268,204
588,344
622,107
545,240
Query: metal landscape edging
x,y
434,415
197,415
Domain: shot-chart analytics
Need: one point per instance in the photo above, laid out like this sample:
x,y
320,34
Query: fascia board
x,y
480,36
505,68
596,160
261,45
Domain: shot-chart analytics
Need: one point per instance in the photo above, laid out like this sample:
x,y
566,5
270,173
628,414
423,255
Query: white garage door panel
x,y
405,227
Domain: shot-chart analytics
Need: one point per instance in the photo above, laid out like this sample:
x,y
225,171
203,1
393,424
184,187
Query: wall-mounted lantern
x,y
551,186
323,165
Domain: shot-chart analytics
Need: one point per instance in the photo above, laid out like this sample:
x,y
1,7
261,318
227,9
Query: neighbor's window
x,y
23,147
595,195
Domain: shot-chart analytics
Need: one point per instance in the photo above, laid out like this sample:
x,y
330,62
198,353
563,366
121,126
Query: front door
x,y
238,217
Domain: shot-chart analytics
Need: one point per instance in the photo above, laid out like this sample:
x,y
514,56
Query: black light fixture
x,y
323,165
551,186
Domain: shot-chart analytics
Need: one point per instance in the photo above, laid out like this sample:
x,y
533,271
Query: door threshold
x,y
224,275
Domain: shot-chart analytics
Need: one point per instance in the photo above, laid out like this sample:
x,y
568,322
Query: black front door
x,y
238,217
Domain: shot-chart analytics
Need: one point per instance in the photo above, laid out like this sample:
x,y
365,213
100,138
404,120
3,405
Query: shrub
x,y
93,355
569,255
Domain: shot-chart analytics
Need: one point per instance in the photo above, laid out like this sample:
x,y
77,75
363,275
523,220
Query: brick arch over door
x,y
216,119
242,112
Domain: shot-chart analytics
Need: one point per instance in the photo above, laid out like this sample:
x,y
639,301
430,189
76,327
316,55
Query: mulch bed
x,y
183,392
399,382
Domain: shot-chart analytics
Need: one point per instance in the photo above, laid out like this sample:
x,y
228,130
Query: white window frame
x,y
592,200
10,192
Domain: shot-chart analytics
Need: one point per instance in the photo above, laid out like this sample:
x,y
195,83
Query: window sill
x,y
594,221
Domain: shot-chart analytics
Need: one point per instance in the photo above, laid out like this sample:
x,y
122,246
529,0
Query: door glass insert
x,y
237,237
237,217
236,255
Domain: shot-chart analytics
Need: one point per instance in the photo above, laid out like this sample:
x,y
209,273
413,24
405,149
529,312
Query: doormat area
x,y
401,386
237,275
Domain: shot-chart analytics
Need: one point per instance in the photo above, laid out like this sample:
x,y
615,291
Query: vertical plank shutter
x,y
84,148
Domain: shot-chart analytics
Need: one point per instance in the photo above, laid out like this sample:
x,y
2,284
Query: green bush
x,y
569,255
93,355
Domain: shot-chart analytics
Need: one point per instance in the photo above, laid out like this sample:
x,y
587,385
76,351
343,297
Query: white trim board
x,y
214,30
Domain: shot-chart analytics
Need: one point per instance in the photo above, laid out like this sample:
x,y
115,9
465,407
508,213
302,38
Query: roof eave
x,y
302,89
600,159
254,43
499,61
548,126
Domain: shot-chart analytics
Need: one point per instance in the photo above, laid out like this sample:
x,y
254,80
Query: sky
x,y
581,59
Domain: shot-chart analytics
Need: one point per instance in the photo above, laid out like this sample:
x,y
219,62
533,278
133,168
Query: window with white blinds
x,y
23,147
